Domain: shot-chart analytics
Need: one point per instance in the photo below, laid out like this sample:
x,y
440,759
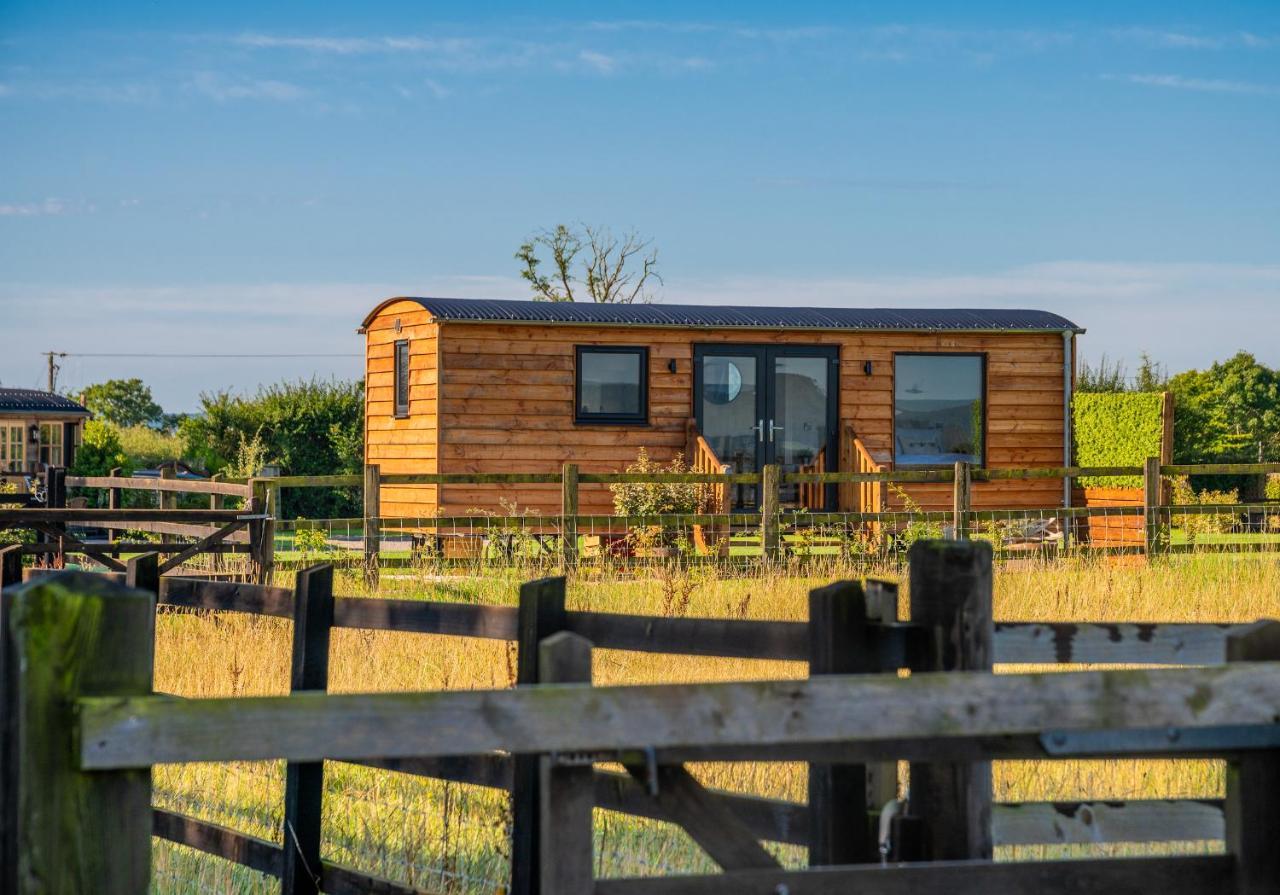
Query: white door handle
x,y
758,428
772,429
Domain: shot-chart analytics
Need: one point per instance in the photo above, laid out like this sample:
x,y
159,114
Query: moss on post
x,y
76,635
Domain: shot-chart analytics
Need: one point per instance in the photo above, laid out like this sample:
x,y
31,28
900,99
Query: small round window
x,y
722,381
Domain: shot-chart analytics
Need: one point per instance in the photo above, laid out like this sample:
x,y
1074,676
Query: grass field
x,y
451,837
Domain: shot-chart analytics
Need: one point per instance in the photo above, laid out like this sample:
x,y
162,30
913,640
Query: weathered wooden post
x,y
143,573
1151,505
167,500
960,501
569,514
840,642
1252,807
882,776
270,503
55,498
304,781
567,796
72,636
8,748
114,500
541,614
216,501
372,540
951,594
10,565
770,510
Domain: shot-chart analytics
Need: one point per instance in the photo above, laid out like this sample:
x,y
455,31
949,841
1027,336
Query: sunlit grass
x,y
453,838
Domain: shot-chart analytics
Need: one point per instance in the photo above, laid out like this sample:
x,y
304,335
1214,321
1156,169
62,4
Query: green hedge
x,y
1116,429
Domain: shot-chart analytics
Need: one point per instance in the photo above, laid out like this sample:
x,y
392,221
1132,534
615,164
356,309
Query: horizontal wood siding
x,y
499,398
410,444
506,404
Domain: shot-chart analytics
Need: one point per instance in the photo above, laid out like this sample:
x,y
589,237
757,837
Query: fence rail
x,y
1139,521
833,720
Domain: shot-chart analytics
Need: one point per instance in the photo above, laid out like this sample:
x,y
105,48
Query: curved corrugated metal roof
x,y
745,317
30,400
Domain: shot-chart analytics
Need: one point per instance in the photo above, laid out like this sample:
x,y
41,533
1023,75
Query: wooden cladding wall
x,y
505,404
411,443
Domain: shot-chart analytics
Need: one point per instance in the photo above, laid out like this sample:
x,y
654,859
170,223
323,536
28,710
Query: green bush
x,y
308,428
147,448
100,451
1116,429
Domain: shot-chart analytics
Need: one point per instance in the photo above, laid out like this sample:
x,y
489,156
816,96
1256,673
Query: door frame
x,y
765,354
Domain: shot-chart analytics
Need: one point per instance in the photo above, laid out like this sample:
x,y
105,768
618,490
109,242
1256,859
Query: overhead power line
x,y
185,354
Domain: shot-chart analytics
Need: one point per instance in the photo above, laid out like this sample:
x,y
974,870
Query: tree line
x,y
1228,412
306,428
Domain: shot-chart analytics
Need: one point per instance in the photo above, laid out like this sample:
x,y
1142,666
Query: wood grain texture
x,y
945,712
76,635
1118,876
493,397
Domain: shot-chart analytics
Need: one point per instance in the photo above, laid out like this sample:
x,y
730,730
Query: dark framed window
x,y
611,385
402,378
939,409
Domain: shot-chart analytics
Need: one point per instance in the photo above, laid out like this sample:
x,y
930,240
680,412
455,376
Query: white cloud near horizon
x,y
1203,85
1127,309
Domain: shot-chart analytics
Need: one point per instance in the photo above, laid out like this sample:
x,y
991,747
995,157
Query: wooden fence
x,y
852,721
1147,514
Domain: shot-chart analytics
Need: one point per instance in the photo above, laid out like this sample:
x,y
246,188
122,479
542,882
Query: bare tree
x,y
602,267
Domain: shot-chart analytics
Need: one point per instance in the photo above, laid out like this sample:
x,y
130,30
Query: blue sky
x,y
241,178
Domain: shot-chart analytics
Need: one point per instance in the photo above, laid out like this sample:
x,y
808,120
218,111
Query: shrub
x,y
100,451
1116,429
658,498
147,448
1202,524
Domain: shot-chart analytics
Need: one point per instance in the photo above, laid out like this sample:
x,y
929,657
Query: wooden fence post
x,y
216,501
541,614
262,533
840,642
567,797
8,747
770,509
304,781
143,573
167,500
950,585
1252,807
114,501
1151,505
960,501
569,514
372,540
270,504
10,565
77,635
55,498
882,776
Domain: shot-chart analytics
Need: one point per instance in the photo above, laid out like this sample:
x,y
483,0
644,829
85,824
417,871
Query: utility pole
x,y
53,367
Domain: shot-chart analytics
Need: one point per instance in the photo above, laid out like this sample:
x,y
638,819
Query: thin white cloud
x,y
47,208
80,91
1202,85
598,62
222,89
1172,40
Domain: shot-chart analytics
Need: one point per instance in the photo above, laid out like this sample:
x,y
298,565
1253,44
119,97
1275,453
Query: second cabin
x,y
468,386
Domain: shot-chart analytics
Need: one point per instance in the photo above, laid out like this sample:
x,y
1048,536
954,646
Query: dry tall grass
x,y
449,837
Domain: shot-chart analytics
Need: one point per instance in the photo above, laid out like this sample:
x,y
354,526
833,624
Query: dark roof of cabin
x,y
30,400
744,316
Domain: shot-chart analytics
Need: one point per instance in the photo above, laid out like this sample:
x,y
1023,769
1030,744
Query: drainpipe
x,y
1068,367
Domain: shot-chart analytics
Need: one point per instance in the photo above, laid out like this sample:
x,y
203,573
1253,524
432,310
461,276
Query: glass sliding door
x,y
761,404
